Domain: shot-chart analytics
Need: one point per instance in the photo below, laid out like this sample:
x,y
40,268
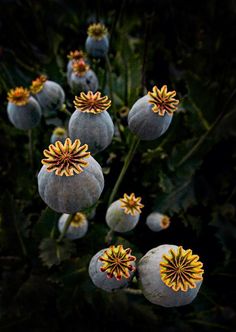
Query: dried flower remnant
x,y
66,159
75,55
78,219
79,67
180,270
117,262
92,102
97,31
163,101
59,131
58,134
18,96
165,222
37,84
131,204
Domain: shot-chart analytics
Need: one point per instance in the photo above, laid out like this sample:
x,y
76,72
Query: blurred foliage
x,y
189,173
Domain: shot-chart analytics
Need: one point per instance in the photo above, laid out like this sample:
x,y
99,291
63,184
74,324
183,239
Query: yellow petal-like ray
x,y
66,159
117,262
163,101
180,269
131,204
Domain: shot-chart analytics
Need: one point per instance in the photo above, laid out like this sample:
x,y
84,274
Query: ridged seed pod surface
x,y
154,289
26,116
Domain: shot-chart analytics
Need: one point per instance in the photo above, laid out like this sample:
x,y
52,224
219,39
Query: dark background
x,y
189,173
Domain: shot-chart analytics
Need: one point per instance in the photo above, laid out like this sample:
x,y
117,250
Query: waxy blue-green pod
x,y
97,43
82,78
70,180
90,122
157,221
49,94
123,215
112,268
151,115
170,276
23,111
59,134
77,228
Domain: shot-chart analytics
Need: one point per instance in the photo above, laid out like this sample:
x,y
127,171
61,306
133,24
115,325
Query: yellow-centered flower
x,y
92,102
75,55
79,67
180,270
37,84
163,101
131,204
18,96
116,262
66,159
97,30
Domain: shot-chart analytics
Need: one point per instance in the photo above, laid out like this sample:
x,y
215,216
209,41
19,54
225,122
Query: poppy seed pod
x,y
97,43
70,179
90,122
73,56
123,215
82,78
59,134
78,226
151,115
112,268
49,94
170,276
23,111
157,221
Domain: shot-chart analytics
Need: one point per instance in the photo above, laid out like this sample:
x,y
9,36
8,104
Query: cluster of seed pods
x,y
71,180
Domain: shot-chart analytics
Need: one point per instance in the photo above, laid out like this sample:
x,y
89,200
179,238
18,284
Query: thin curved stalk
x,y
30,147
109,69
127,162
66,226
109,237
132,291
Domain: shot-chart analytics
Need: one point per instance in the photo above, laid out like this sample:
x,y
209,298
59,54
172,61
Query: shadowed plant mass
x,y
146,161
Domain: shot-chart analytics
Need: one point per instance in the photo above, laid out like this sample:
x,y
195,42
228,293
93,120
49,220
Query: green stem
x,y
66,226
210,324
52,233
132,291
200,115
23,247
199,143
109,69
109,237
127,162
30,147
103,84
65,110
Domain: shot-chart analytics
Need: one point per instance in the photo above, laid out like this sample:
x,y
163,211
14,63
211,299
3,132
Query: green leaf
x,y
182,197
53,252
227,125
165,182
203,98
152,154
223,221
179,151
46,223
